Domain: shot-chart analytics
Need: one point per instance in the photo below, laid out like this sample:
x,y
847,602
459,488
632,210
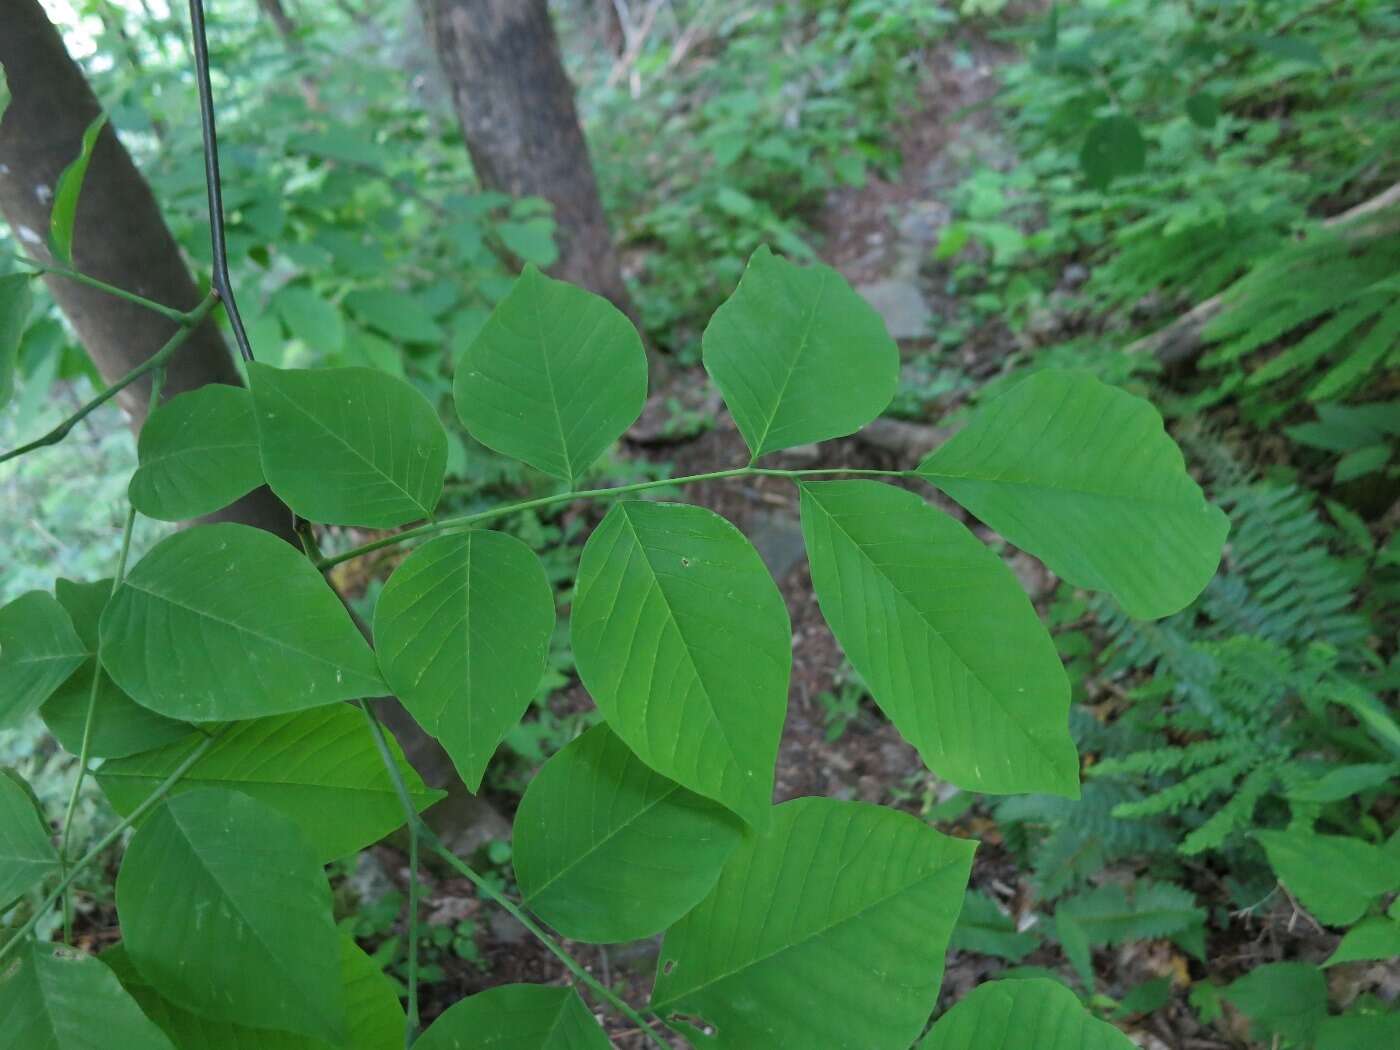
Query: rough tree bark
x,y
121,238
516,108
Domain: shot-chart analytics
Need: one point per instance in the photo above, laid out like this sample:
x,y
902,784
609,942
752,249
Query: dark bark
x,y
516,108
286,28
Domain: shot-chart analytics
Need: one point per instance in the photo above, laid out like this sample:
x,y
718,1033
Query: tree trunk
x,y
516,108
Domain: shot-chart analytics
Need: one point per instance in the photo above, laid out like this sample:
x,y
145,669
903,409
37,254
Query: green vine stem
x,y
151,800
188,323
419,831
467,520
169,312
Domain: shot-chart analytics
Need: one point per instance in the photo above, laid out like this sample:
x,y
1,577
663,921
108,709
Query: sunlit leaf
x,y
39,649
1023,1015
682,639
516,1017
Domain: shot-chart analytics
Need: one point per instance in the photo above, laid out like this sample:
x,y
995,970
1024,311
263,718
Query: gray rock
x,y
902,305
778,540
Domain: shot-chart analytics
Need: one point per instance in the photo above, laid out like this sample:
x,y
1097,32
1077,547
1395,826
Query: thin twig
x,y
168,312
222,284
157,360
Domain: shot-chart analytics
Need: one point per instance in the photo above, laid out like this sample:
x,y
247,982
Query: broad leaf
x,y
554,378
1114,147
53,998
199,452
1375,938
1288,999
607,850
15,300
120,726
1334,876
226,911
1083,476
68,189
27,856
1023,1015
319,767
798,355
516,1017
311,319
1359,1032
226,622
944,637
39,649
683,640
462,630
376,1020
399,316
984,928
348,446
827,930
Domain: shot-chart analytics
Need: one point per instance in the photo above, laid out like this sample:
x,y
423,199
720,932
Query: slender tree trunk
x,y
516,108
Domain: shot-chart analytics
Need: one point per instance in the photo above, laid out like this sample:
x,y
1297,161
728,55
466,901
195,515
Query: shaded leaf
x,y
1287,999
1022,1015
516,1017
348,446
798,355
1204,109
1334,876
27,856
983,927
1375,938
39,649
942,634
227,621
462,630
606,850
1083,476
828,930
67,190
1111,914
395,314
15,300
226,911
318,767
198,453
683,640
553,378
1113,148
310,318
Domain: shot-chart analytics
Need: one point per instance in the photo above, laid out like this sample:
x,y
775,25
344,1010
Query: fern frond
x,y
1235,815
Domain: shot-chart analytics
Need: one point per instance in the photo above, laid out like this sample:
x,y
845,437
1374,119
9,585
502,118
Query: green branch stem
x,y
464,521
104,843
188,323
180,317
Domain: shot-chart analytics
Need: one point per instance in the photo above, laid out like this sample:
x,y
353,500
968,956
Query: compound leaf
x,y
554,378
27,856
39,649
1083,476
226,912
462,630
517,1017
54,998
198,453
798,355
1034,1014
683,640
348,446
376,1020
319,767
983,927
944,637
608,850
226,622
827,930
120,726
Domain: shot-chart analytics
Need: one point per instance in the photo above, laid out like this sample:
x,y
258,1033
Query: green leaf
x,y
1287,999
1363,461
1359,1032
798,355
1344,781
532,240
67,190
942,634
554,378
395,314
227,621
15,301
828,930
226,911
1374,938
319,767
27,856
120,726
348,446
1111,914
198,452
462,629
983,927
516,1017
606,850
1114,147
1334,876
683,640
1084,477
1204,109
54,998
39,649
1022,1015
376,1020
311,319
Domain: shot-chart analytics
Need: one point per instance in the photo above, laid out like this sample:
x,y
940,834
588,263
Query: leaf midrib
x,y
824,276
